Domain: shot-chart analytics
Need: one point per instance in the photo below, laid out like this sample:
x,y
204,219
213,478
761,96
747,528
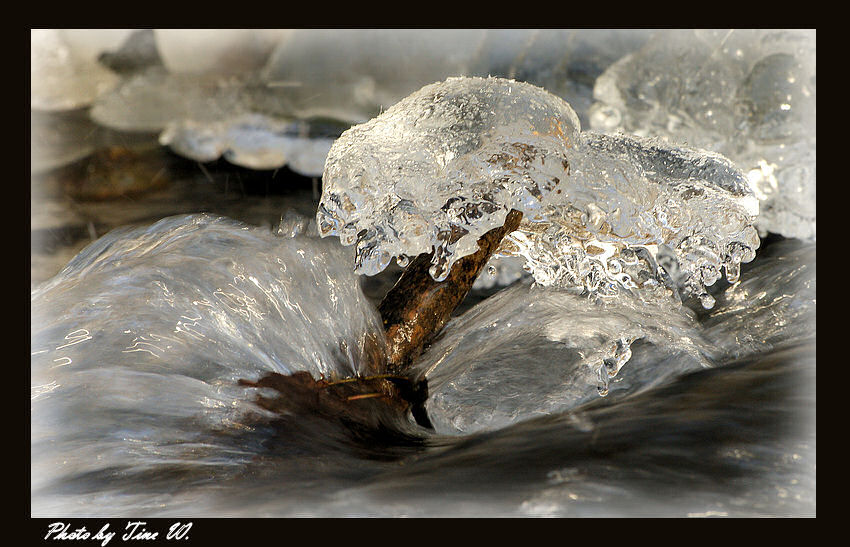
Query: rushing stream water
x,y
139,342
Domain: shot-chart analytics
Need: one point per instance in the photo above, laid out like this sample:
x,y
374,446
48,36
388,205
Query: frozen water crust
x,y
747,94
249,140
480,376
442,167
642,216
606,213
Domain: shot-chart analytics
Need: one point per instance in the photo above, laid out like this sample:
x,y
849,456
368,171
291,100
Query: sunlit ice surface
x,y
446,164
748,94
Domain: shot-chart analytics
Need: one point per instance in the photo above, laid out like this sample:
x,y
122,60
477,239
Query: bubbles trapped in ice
x,y
642,216
748,94
444,166
480,376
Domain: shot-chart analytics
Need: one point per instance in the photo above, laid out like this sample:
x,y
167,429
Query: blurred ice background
x,y
200,154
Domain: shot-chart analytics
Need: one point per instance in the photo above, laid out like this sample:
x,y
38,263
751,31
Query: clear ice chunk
x,y
642,216
747,94
444,166
529,351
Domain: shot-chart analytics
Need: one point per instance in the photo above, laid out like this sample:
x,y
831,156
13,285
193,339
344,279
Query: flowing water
x,y
139,342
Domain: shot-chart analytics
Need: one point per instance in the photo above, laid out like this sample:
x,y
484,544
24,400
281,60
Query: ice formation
x,y
343,75
352,74
446,164
748,94
480,377
442,167
64,72
250,140
642,215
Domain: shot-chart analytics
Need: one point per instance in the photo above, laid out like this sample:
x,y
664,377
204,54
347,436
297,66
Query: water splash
x,y
774,307
118,433
138,344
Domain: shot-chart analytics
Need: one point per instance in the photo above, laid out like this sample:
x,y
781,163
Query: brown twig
x,y
417,307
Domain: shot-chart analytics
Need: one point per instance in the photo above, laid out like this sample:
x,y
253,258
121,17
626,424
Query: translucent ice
x,y
774,307
446,164
207,78
64,72
153,99
442,167
138,343
351,74
481,375
642,215
251,140
748,94
204,117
